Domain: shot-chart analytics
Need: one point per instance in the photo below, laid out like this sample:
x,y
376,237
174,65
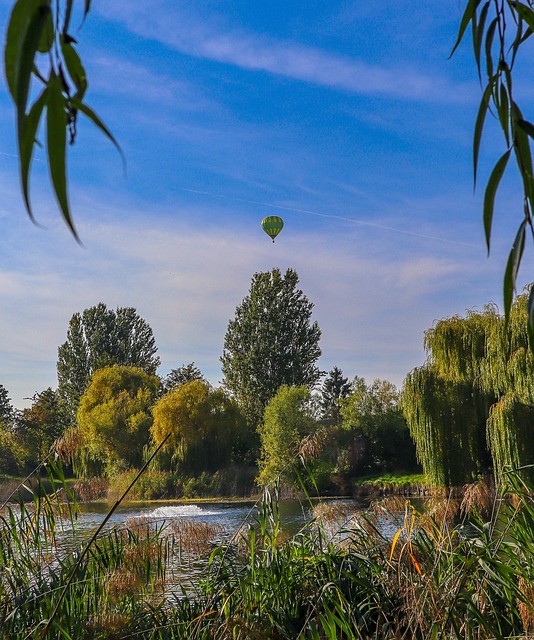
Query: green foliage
x,y
40,426
500,29
152,485
12,454
474,397
334,389
114,418
177,377
447,421
6,408
271,342
101,337
203,426
376,435
287,420
39,48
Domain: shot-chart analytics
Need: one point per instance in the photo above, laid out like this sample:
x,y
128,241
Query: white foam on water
x,y
181,511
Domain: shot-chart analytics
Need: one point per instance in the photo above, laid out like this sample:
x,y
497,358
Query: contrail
x,y
382,227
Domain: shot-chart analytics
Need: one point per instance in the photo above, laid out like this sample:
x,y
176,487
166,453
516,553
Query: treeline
x,y
469,409
110,409
343,430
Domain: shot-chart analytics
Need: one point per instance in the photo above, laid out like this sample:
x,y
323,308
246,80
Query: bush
x,y
152,485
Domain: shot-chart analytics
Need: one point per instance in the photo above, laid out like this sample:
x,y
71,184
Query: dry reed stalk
x,y
526,607
90,489
479,497
440,517
196,538
69,444
311,446
108,625
122,583
331,512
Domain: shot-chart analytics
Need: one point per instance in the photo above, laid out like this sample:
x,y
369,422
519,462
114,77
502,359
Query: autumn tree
x,y
272,341
100,337
203,426
114,419
288,418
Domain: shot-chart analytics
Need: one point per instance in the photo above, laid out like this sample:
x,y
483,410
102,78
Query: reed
x,y
465,577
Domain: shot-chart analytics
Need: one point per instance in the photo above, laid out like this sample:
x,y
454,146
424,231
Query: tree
x,y
177,377
11,452
271,342
203,424
471,406
287,420
6,408
376,433
40,425
335,387
114,419
100,337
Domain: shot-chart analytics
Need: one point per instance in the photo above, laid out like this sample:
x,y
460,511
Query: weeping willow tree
x,y
471,405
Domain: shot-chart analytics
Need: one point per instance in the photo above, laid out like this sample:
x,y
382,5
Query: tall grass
x,y
340,577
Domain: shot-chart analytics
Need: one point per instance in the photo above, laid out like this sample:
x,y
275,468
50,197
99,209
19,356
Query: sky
x,y
348,119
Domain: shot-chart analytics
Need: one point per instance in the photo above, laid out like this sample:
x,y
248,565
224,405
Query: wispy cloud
x,y
258,52
116,76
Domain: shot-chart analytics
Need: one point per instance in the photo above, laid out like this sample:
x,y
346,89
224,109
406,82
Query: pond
x,y
230,516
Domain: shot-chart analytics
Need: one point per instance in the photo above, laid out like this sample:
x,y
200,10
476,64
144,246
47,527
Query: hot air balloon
x,y
272,225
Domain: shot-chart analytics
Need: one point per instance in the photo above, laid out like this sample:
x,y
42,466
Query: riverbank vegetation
x,y
452,572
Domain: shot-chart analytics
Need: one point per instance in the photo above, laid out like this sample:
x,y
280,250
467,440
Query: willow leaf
x,y
512,268
522,151
478,33
74,67
527,127
56,125
479,126
21,48
490,34
491,190
16,32
87,111
504,113
469,12
27,143
525,12
47,35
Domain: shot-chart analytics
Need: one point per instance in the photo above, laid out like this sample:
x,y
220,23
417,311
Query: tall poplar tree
x,y
271,342
101,337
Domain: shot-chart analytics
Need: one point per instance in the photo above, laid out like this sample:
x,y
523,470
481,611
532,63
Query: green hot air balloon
x,y
272,225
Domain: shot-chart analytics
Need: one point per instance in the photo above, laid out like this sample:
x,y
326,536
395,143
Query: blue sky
x,y
345,118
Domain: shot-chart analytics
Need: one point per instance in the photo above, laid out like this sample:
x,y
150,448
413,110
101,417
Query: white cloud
x,y
229,45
